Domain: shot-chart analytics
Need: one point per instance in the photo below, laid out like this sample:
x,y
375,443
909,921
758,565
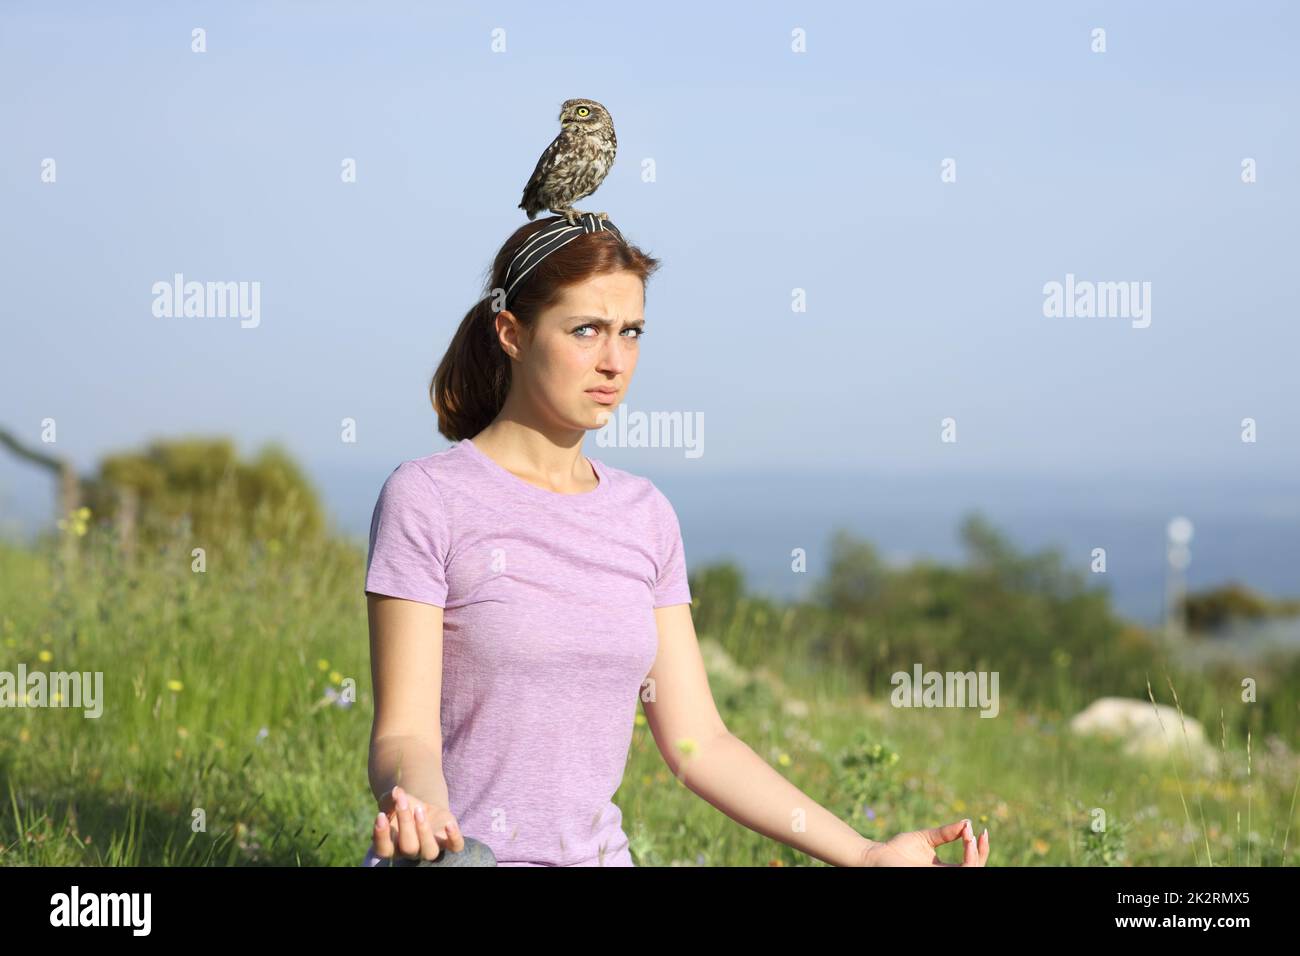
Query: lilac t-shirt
x,y
548,633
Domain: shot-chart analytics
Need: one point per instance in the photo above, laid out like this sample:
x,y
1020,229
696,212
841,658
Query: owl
x,y
575,163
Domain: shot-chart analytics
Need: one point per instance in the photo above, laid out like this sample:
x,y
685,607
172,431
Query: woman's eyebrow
x,y
605,323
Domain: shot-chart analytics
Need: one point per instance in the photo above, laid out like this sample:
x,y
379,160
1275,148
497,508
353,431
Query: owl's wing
x,y
532,202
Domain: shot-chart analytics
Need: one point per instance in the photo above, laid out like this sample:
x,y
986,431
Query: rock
x,y
1138,723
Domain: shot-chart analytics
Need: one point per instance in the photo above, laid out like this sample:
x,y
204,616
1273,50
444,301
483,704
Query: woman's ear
x,y
507,326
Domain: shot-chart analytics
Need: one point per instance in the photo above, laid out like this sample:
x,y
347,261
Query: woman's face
x,y
587,340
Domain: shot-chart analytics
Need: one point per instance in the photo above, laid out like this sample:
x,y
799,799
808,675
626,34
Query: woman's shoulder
x,y
426,475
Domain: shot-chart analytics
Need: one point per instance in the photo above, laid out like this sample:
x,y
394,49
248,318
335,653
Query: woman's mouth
x,y
609,397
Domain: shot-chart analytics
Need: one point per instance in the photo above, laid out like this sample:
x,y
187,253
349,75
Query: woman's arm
x,y
406,673
719,767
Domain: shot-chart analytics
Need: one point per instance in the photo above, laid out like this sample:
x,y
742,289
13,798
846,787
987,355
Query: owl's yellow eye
x,y
583,111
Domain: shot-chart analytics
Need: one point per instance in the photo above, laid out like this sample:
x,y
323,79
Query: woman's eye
x,y
635,328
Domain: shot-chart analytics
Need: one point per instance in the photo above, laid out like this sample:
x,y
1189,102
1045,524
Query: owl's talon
x,y
573,215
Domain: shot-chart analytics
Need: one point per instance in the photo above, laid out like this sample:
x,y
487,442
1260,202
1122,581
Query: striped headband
x,y
559,233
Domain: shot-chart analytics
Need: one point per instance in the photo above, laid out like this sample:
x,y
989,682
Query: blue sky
x,y
775,170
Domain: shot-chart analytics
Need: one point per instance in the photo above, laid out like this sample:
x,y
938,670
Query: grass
x,y
228,737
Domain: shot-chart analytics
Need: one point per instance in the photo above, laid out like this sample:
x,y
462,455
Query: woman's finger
x,y
446,829
429,846
455,839
984,847
408,838
970,855
383,837
945,834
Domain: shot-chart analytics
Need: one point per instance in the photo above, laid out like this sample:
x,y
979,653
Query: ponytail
x,y
473,378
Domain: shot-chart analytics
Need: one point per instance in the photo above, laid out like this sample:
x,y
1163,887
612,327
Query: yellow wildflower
x,y
75,521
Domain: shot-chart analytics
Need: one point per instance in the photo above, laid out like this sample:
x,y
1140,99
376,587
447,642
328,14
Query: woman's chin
x,y
602,416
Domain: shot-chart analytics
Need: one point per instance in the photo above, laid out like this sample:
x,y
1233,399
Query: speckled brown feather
x,y
575,163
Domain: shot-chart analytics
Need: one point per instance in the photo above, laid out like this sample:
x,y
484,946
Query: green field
x,y
222,741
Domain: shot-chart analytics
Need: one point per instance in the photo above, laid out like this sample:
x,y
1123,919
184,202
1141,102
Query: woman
x,y
523,597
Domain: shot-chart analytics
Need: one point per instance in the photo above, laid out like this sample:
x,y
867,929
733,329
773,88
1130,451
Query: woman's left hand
x,y
916,848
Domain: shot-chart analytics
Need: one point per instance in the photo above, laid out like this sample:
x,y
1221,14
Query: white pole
x,y
1178,556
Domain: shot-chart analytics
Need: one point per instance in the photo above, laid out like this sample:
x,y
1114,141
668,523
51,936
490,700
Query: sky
x,y
768,154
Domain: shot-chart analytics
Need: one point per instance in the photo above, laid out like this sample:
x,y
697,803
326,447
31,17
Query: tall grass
x,y
228,736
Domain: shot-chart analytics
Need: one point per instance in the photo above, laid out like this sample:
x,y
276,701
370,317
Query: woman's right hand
x,y
408,828
916,848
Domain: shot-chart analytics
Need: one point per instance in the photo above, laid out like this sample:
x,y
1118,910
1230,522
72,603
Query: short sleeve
x,y
409,540
671,586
